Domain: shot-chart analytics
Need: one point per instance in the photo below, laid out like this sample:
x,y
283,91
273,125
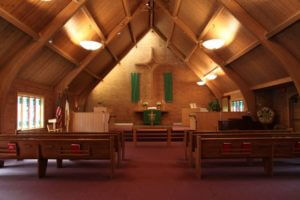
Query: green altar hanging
x,y
152,117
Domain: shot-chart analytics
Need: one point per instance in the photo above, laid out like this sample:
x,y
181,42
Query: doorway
x,y
295,112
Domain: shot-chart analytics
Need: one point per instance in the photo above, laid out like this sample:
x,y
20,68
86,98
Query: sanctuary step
x,y
155,136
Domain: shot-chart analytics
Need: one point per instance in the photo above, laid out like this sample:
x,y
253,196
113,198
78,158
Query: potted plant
x,y
214,106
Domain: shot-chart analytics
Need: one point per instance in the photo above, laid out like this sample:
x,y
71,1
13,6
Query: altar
x,y
151,116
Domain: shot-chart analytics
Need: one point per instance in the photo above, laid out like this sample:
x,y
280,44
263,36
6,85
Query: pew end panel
x,y
2,163
233,148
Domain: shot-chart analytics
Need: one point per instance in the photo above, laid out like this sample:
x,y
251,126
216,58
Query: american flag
x,y
58,115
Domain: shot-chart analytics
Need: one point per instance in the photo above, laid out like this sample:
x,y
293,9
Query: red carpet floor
x,y
152,171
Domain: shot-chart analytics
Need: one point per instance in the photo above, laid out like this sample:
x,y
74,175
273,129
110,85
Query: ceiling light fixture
x,y
201,83
211,76
90,45
213,44
46,0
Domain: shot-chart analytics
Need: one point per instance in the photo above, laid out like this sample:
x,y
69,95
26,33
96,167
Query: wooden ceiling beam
x,y
95,26
288,61
264,85
207,25
151,13
209,84
171,34
17,23
231,93
112,54
75,72
176,8
272,83
191,53
248,94
92,74
63,84
63,54
235,77
178,22
238,55
98,30
13,67
160,34
125,22
85,92
288,22
174,15
177,52
126,7
128,14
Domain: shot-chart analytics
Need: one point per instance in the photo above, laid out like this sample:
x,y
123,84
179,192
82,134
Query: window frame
x,y
42,110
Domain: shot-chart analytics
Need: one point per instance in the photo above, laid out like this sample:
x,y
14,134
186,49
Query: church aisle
x,y
152,171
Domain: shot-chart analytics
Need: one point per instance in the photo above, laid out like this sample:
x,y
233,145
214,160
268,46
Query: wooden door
x,y
295,112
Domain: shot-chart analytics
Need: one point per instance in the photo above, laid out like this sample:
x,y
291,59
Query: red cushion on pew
x,y
12,147
75,147
226,146
246,146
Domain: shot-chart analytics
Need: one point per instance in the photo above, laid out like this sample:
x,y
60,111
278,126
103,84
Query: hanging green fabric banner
x,y
168,86
135,87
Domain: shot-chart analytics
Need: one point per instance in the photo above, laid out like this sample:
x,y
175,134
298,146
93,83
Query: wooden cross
x,y
152,117
151,66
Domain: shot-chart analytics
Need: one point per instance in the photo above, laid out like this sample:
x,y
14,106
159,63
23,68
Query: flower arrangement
x,y
158,103
265,115
145,103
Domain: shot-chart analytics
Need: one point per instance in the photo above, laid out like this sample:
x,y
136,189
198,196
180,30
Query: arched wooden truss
x,y
263,52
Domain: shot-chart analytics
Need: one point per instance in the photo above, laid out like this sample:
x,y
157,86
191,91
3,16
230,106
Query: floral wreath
x,y
265,115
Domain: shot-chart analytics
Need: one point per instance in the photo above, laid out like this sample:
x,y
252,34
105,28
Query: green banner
x,y
135,87
168,87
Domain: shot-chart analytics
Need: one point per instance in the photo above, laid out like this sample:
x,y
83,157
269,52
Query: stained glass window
x,y
30,112
237,106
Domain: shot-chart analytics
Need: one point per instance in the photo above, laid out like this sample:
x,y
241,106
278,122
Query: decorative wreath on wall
x,y
265,115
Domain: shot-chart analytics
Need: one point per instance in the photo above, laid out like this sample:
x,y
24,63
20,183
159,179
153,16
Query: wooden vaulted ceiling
x,y
247,61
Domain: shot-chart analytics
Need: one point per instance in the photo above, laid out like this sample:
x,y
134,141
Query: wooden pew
x,y
1,163
267,148
190,137
187,134
120,140
43,149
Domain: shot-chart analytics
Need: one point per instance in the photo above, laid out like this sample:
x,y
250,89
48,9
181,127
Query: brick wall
x,y
114,91
277,98
10,117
